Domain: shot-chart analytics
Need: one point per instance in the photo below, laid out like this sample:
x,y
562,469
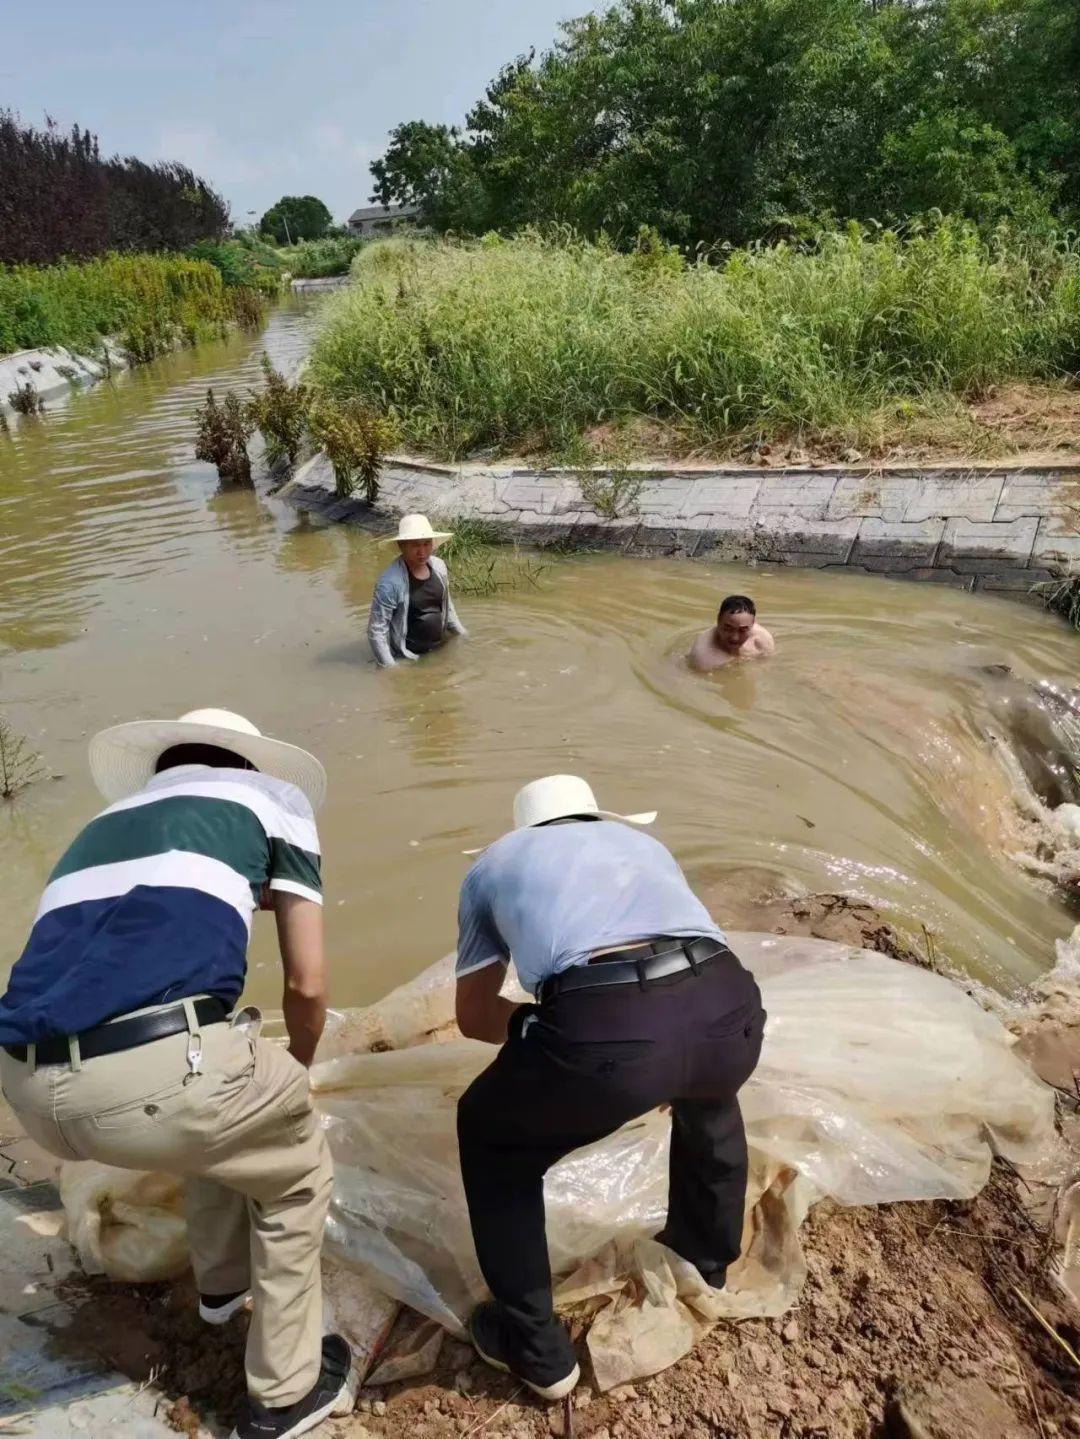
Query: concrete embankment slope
x,y
54,372
996,528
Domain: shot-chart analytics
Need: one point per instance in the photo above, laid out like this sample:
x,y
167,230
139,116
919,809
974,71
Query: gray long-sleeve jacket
x,y
389,613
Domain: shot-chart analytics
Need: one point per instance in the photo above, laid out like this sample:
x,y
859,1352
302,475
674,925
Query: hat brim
x,y
646,817
123,758
436,537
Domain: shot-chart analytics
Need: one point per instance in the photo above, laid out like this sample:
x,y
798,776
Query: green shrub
x,y
355,439
244,261
151,301
319,259
529,343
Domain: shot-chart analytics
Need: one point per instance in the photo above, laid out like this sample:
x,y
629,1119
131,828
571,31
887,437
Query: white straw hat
x,y
122,759
559,796
416,527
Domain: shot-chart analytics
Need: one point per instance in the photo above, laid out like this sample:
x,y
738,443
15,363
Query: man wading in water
x,y
117,1045
411,609
640,1003
736,635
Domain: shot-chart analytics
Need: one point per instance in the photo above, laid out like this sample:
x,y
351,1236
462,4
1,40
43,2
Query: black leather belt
x,y
123,1033
659,959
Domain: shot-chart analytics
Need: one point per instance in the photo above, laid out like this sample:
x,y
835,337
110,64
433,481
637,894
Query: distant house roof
x,y
383,212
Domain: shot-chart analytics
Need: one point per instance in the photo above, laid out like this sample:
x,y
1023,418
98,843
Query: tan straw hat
x,y
416,527
559,796
122,759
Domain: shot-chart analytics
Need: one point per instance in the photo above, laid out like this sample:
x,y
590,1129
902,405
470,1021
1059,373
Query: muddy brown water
x,y
131,585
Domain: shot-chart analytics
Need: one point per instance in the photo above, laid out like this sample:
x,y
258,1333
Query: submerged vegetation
x,y
483,564
532,342
148,303
1063,597
19,764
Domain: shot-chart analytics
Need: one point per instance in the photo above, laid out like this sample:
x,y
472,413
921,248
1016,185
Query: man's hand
x,y
480,1009
300,938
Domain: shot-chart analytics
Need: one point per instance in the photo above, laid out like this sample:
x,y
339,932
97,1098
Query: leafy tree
x,y
724,119
430,166
60,198
296,217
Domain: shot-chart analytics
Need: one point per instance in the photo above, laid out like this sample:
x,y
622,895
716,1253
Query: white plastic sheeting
x,y
878,1082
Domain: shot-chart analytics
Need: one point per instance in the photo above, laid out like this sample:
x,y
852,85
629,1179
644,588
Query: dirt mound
x,y
152,1333
911,1322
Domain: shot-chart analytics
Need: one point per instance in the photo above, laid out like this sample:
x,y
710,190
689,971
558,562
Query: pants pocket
x,y
600,1058
288,1083
148,1110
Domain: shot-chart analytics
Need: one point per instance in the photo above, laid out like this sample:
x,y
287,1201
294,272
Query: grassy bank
x,y
534,343
149,303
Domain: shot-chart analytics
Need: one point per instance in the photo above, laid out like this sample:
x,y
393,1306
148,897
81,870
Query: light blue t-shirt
x,y
549,897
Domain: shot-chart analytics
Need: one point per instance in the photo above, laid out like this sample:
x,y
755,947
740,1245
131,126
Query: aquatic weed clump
x,y
223,433
19,764
279,412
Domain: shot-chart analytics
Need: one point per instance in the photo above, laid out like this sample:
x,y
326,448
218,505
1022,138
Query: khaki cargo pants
x,y
243,1134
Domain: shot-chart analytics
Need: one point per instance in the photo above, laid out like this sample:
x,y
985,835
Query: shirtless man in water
x,y
735,634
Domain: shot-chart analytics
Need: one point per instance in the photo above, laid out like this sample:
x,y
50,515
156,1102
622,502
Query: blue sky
x,y
262,97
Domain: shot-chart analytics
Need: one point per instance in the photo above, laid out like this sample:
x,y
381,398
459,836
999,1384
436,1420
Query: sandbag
x,y
878,1082
125,1223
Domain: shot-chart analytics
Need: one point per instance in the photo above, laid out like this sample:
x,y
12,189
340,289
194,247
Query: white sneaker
x,y
220,1308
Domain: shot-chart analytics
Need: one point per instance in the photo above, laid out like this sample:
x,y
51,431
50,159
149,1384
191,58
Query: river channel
x,y
857,759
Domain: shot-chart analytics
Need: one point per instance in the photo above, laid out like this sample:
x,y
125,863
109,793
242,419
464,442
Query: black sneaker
x,y
491,1341
220,1308
334,1394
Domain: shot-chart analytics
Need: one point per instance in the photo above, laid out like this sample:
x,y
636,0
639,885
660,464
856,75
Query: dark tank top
x,y
424,629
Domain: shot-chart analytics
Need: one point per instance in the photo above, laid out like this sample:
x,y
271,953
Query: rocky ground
x,y
936,1321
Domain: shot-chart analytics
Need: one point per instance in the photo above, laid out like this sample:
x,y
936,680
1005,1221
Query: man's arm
x,y
300,938
482,1012
383,605
701,653
766,645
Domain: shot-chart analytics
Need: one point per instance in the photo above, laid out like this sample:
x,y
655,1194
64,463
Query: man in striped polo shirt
x,y
115,1038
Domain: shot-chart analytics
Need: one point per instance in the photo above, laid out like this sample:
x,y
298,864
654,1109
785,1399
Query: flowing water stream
x,y
861,758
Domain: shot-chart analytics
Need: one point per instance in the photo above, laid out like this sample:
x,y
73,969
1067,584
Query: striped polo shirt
x,y
153,901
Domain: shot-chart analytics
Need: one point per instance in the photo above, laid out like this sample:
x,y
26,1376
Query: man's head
x,y
416,553
735,622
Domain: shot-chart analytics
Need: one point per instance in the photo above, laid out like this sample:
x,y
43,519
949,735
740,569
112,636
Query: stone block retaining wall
x,y
987,528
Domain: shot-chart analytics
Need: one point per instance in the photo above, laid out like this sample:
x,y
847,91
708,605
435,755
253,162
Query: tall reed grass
x,y
533,341
148,302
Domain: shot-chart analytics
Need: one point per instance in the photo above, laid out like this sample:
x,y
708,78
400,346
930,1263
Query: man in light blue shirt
x,y
639,1002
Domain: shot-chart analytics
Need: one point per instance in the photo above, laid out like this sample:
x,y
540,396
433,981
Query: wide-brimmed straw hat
x,y
122,759
416,527
559,796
